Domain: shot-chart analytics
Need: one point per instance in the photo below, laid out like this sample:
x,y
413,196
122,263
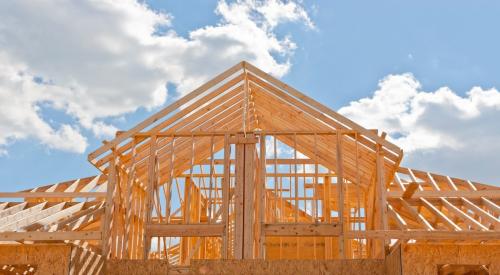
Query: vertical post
x,y
340,193
381,195
225,196
170,181
150,192
110,192
128,201
239,199
210,185
262,193
249,199
327,215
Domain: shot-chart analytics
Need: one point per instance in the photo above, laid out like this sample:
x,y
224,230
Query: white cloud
x,y
93,60
20,117
439,131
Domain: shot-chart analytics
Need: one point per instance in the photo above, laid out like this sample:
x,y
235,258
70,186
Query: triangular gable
x,y
244,98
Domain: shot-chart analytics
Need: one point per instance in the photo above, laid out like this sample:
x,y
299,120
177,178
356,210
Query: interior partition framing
x,y
237,195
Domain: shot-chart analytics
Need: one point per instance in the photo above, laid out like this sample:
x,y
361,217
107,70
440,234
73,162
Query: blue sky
x,y
433,65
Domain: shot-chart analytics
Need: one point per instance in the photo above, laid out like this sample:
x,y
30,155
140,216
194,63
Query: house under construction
x,y
247,175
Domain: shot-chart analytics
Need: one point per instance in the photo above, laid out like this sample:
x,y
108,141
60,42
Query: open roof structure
x,y
247,167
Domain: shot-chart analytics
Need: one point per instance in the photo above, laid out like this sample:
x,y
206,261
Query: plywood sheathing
x,y
136,267
423,259
393,261
287,267
48,259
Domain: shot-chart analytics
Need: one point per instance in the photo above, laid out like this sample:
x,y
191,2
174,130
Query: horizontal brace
x,y
296,229
269,161
438,194
184,230
50,236
269,175
52,194
423,235
223,133
243,140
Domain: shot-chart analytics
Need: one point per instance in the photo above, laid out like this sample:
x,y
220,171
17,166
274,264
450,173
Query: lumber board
x,y
297,229
184,230
50,236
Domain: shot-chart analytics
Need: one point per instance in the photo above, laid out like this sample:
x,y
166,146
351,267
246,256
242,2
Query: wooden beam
x,y
340,195
52,194
322,108
226,184
239,201
493,194
184,230
298,229
249,199
50,236
410,190
425,235
106,224
459,213
447,221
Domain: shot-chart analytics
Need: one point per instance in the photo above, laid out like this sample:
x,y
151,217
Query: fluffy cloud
x,y
440,130
93,60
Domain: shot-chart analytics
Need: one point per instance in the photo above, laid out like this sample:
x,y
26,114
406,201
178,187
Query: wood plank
x,y
321,107
50,236
466,218
299,229
410,190
340,195
249,200
493,194
446,220
425,235
239,201
485,216
184,230
52,194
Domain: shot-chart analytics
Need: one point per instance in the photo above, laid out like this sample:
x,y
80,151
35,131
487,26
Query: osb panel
x,y
424,258
85,262
48,259
286,248
393,261
136,267
309,267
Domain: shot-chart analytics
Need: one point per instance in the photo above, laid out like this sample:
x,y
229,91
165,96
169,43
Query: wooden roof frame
x,y
243,105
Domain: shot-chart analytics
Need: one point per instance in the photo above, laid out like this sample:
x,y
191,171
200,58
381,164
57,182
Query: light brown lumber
x,y
184,230
447,221
50,236
221,105
410,190
52,194
321,107
106,224
466,218
298,229
239,201
493,194
425,235
419,217
226,182
249,199
485,216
